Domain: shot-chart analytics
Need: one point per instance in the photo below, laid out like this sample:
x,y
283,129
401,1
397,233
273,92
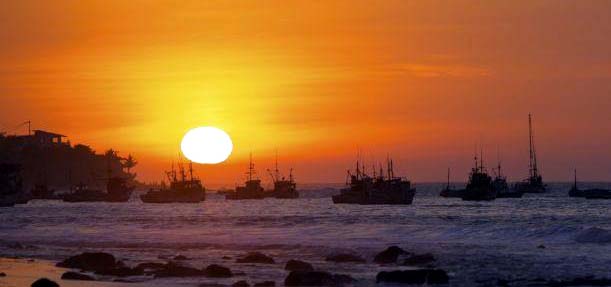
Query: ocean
x,y
540,236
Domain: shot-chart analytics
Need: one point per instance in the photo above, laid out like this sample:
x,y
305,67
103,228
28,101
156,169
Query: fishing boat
x,y
501,187
593,193
534,182
118,189
449,191
377,189
251,189
283,187
183,188
480,186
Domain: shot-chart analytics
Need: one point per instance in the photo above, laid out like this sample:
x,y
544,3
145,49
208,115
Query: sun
x,y
207,145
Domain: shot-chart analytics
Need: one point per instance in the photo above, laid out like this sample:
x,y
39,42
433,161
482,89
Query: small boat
x,y
448,191
283,187
252,188
502,188
593,193
42,191
182,190
480,186
380,189
534,182
117,190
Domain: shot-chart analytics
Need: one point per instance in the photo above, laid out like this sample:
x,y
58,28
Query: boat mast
x,y
448,185
534,171
251,168
191,170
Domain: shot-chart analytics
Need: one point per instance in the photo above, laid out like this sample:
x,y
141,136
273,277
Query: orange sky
x,y
422,80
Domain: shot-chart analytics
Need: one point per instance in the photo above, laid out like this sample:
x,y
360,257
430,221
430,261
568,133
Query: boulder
x,y
76,276
217,271
2,274
345,258
44,282
123,272
297,265
256,257
174,270
419,259
90,261
390,255
265,284
419,277
316,278
241,283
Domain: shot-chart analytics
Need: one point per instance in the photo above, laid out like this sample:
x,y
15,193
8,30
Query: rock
x,y
123,272
297,265
44,282
265,284
2,274
151,266
76,276
256,257
541,246
241,283
422,276
345,258
174,270
94,261
217,271
390,255
316,278
180,257
419,259
226,257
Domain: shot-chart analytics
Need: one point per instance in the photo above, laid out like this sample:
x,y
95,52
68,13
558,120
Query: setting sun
x,y
207,145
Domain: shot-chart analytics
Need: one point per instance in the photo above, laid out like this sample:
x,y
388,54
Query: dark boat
x,y
480,186
502,188
181,190
252,188
364,189
593,193
448,191
42,191
11,185
283,187
534,182
117,190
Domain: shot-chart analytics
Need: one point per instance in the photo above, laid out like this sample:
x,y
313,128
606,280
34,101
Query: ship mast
x,y
251,168
534,171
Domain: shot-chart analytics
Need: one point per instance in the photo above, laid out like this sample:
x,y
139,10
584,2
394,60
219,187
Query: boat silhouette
x,y
480,185
251,189
377,189
593,193
182,189
283,187
534,182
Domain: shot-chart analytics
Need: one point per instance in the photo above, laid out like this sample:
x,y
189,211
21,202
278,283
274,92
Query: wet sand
x,y
23,272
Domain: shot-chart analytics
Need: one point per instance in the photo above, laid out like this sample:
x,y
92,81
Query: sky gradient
x,y
425,81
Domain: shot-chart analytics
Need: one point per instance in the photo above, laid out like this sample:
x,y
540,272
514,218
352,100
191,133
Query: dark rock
x,y
2,274
422,276
419,259
217,271
175,270
316,278
345,258
151,266
44,282
265,284
76,276
226,257
180,257
241,283
123,272
390,255
94,261
297,265
541,246
256,257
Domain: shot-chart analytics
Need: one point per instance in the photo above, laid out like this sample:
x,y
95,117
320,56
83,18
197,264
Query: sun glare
x,y
206,145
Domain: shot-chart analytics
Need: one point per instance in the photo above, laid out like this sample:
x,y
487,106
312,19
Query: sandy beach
x,y
23,272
